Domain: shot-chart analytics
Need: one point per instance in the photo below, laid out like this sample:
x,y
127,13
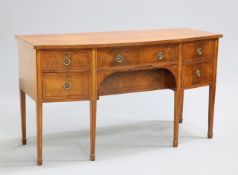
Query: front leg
x,y
23,115
39,132
93,105
212,92
177,106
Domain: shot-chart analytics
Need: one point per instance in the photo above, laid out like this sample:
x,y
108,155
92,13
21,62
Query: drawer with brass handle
x,y
65,87
110,57
199,50
65,60
197,74
159,53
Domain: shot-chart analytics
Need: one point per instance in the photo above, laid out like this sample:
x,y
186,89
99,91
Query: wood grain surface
x,y
118,38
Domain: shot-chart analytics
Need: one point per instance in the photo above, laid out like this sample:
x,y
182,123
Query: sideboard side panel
x,y
27,69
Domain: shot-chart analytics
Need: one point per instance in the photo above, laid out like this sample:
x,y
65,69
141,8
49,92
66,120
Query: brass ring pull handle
x,y
160,55
67,85
199,51
119,58
198,73
67,60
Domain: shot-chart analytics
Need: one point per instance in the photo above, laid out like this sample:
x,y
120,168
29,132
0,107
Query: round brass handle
x,y
160,55
198,73
67,85
67,60
199,51
119,58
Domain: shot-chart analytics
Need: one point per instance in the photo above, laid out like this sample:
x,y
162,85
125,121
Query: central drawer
x,y
110,57
65,87
131,56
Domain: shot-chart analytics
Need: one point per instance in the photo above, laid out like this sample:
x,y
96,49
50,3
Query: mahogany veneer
x,y
85,66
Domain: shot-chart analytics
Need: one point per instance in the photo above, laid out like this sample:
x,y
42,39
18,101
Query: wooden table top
x,y
117,38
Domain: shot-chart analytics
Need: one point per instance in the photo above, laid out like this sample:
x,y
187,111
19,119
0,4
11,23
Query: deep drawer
x,y
197,74
65,87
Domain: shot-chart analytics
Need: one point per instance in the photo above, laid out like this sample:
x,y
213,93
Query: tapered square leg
x,y
181,107
212,92
23,115
93,104
177,106
39,132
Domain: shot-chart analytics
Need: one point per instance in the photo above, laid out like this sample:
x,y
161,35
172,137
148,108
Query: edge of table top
x,y
115,38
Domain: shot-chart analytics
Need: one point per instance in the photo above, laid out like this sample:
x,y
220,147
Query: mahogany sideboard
x,y
85,66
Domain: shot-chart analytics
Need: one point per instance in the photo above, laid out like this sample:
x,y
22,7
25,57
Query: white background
x,y
134,133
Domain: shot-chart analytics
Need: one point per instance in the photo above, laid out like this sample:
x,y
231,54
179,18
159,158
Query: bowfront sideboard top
x,y
85,66
115,39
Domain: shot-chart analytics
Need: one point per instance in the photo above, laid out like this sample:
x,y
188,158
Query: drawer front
x,y
140,55
110,57
196,74
198,50
65,87
159,54
74,60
